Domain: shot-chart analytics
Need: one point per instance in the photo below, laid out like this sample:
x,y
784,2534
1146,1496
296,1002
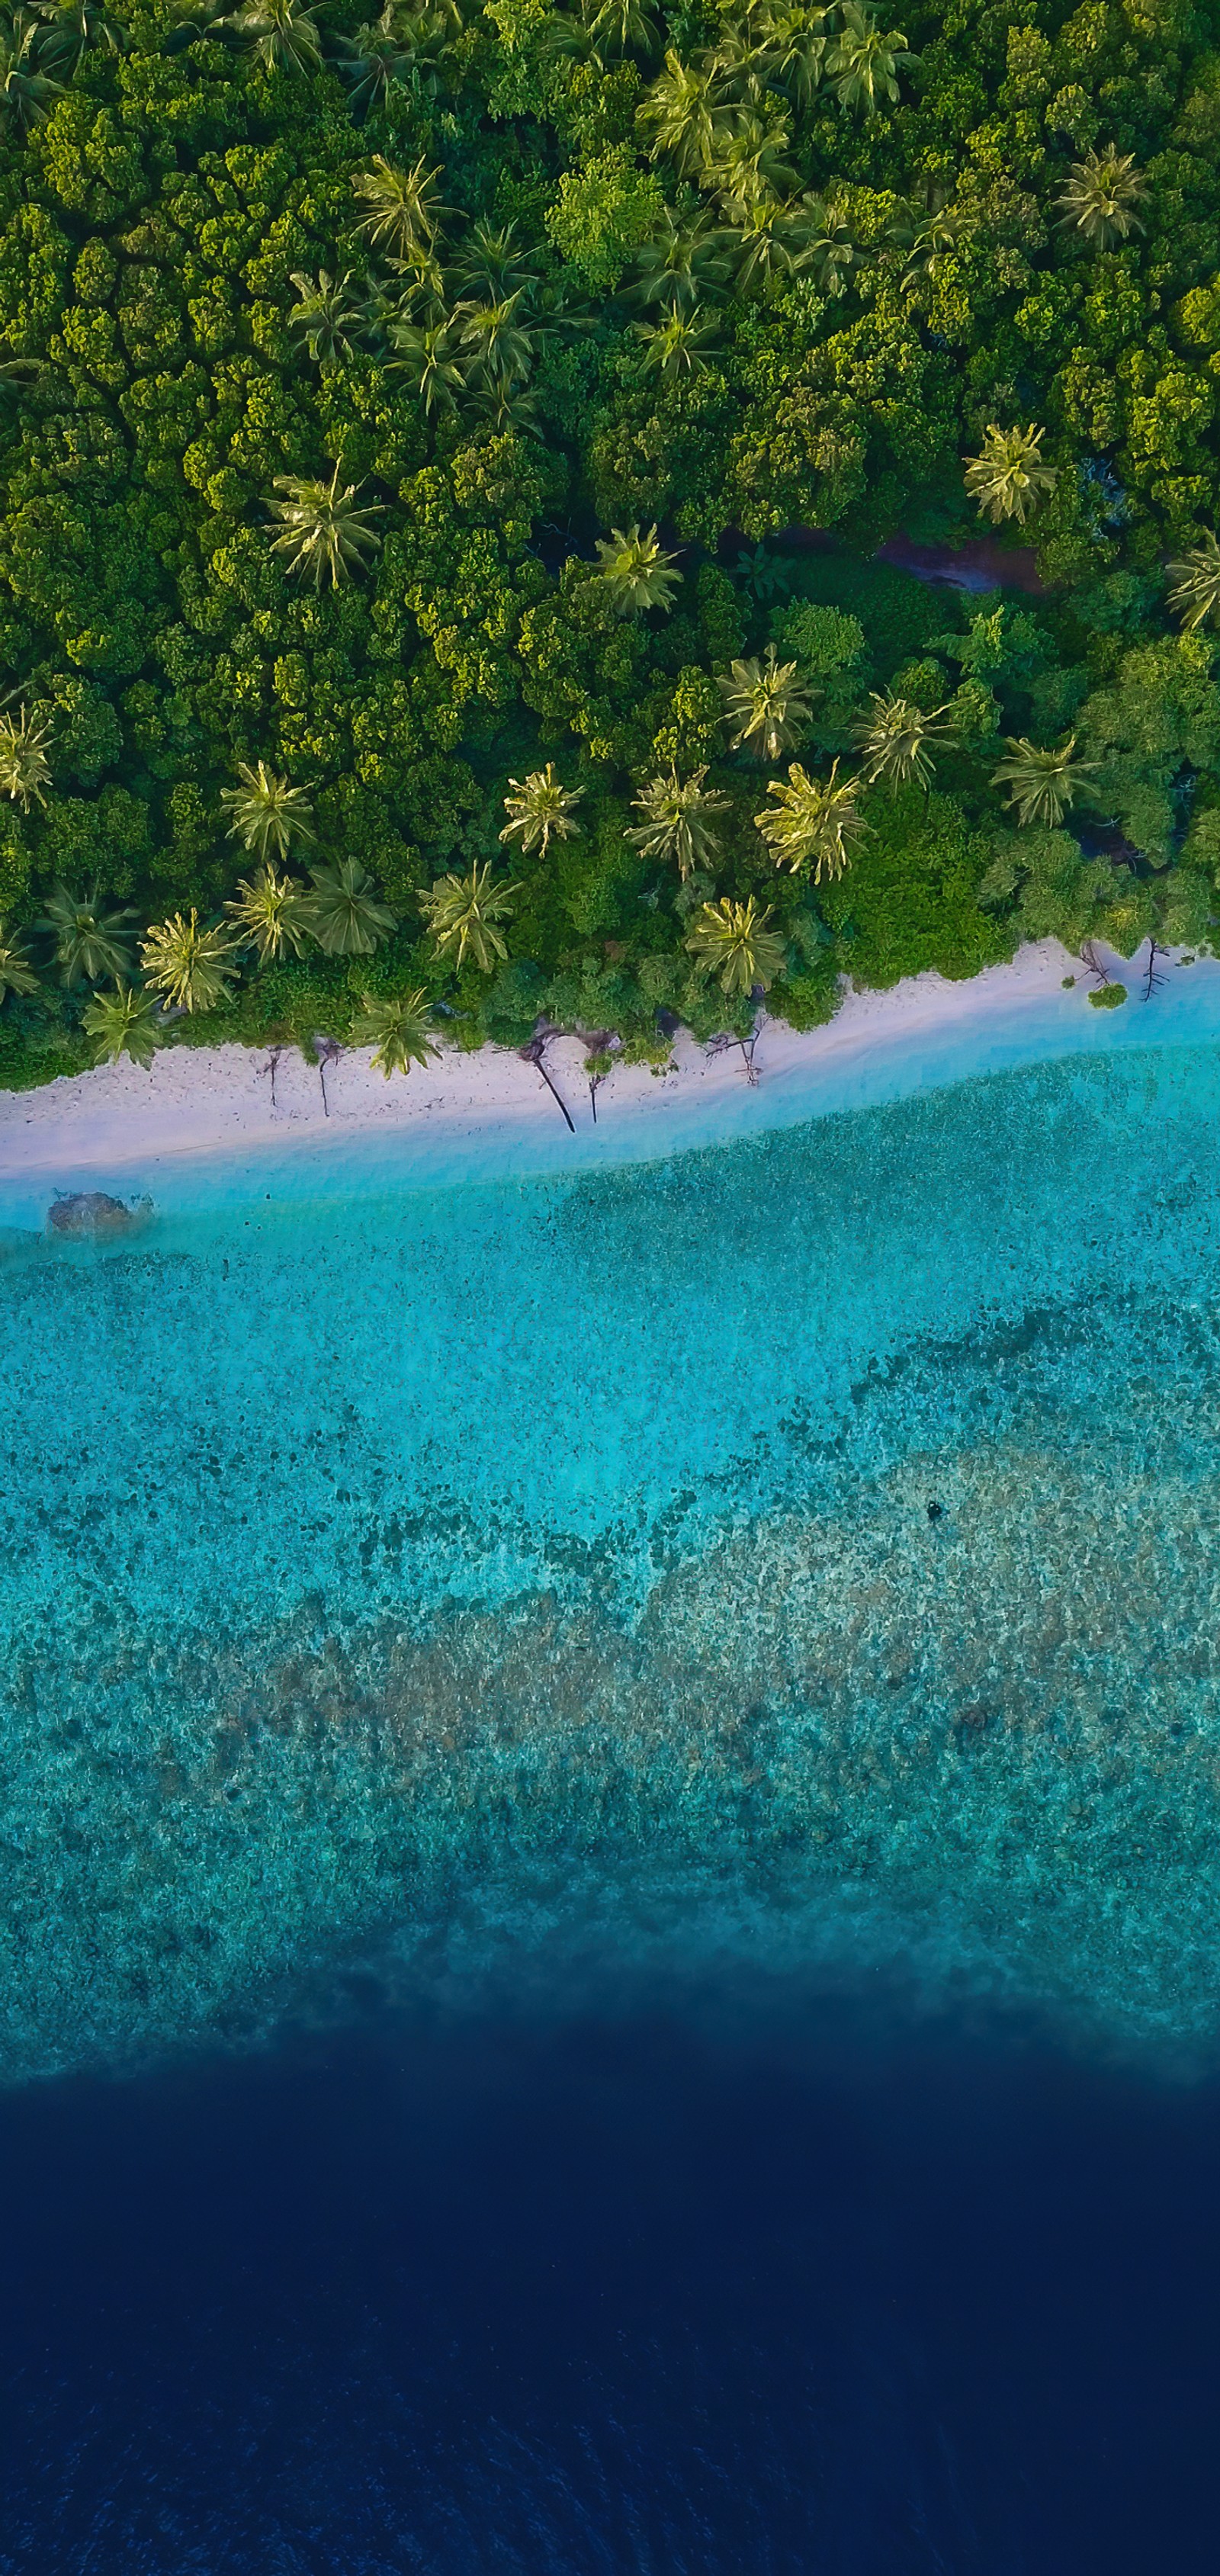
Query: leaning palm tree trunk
x,y
532,1054
328,1053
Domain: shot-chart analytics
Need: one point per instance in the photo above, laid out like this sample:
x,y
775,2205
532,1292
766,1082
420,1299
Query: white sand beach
x,y
218,1101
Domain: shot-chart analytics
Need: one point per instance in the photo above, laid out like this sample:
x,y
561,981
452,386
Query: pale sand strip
x,y
218,1099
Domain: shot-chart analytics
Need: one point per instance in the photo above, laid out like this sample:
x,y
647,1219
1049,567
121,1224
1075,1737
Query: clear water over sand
x,y
511,1580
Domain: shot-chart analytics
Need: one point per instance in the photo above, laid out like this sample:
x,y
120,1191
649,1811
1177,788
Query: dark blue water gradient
x,y
812,2291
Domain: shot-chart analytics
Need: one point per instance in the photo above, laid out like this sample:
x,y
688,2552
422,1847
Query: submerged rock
x,y
93,1212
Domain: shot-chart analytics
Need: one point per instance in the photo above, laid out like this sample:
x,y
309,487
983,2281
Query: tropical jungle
x,y
469,481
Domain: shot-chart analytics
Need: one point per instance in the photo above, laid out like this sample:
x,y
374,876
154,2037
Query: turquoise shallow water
x,y
511,1580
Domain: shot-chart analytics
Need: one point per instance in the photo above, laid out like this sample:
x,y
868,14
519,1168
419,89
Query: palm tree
x,y
766,707
681,262
677,346
26,93
24,768
893,740
491,263
464,913
637,569
16,973
125,1022
188,965
498,344
676,824
404,209
16,374
343,911
507,404
863,65
268,814
929,235
748,157
732,939
829,248
1008,476
324,316
282,35
770,238
321,532
397,1030
1041,784
538,806
88,944
616,26
763,575
191,20
1194,582
677,114
271,912
375,60
1100,196
72,26
795,45
427,356
742,54
814,823
422,283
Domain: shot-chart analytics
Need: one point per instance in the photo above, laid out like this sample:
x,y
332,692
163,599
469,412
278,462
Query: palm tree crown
x,y
24,768
464,913
677,346
894,740
26,93
863,65
282,35
813,824
637,569
88,944
679,262
1041,784
73,25
1194,583
499,342
793,46
1008,475
677,114
538,806
268,814
427,355
16,973
321,533
492,261
1100,196
396,1027
748,158
403,208
615,26
734,941
190,966
125,1022
378,57
344,912
829,247
272,915
676,821
766,707
324,316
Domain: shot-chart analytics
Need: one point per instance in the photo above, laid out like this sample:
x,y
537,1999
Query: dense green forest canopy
x,y
444,465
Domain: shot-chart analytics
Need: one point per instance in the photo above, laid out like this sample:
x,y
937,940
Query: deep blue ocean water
x,y
610,1855
745,2285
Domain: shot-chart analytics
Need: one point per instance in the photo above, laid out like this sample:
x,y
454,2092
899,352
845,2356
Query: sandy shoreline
x,y
217,1101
